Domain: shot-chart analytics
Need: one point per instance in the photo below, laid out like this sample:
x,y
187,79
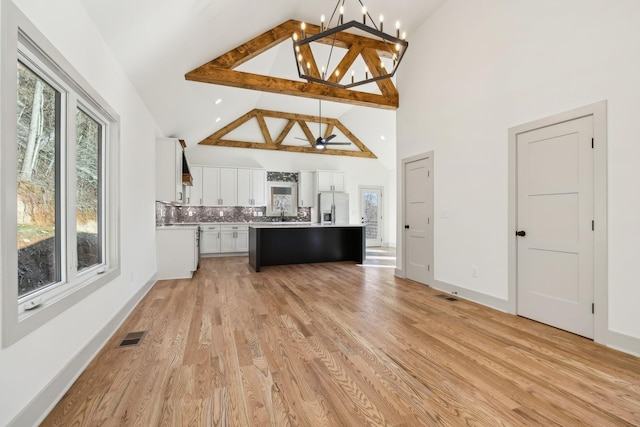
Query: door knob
x,y
521,233
406,226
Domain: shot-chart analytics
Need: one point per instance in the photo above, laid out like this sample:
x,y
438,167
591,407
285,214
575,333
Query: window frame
x,y
19,33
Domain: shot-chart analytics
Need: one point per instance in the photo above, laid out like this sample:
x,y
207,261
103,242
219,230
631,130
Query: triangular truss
x,y
291,119
221,71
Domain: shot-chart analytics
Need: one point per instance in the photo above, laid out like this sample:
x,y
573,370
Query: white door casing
x,y
555,211
418,223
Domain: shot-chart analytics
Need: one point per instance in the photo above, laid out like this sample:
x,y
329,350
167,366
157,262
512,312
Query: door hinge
x,y
593,225
592,142
428,220
593,308
428,268
428,174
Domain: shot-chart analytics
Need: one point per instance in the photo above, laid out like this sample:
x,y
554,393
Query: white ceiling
x,y
159,41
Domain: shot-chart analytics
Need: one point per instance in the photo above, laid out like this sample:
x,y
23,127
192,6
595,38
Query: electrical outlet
x,y
221,213
474,271
190,213
259,213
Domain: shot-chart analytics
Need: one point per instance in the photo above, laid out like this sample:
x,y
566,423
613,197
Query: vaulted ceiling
x,y
159,41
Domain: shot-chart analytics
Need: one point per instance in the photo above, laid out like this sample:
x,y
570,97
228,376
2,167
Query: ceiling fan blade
x,y
338,143
329,138
301,139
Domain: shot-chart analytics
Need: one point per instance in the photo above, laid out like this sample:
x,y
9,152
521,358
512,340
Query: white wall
x,y
29,365
477,68
359,172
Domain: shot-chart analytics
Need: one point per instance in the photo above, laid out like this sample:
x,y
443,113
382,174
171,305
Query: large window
x,y
62,173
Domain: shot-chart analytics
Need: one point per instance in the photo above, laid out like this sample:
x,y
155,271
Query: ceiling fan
x,y
321,143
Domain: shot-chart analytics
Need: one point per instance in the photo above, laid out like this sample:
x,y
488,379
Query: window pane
x,y
38,129
88,181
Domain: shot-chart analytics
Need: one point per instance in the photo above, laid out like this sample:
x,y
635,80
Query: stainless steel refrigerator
x,y
333,208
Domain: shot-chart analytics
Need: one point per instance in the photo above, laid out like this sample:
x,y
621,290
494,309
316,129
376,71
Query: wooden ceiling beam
x,y
264,129
307,132
285,131
373,61
294,149
239,79
347,61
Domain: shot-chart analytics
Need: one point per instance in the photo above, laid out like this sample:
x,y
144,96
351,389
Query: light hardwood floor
x,y
341,345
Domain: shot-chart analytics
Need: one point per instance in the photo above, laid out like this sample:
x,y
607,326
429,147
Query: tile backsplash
x,y
171,214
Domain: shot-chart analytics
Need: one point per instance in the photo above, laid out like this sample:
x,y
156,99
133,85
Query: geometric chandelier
x,y
380,63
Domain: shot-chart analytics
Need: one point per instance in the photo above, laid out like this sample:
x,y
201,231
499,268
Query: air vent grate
x,y
447,297
132,339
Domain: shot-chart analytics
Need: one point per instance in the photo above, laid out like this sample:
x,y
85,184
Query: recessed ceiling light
x,y
218,101
218,119
382,137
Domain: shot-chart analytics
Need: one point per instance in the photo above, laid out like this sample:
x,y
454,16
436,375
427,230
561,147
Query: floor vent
x,y
447,297
132,339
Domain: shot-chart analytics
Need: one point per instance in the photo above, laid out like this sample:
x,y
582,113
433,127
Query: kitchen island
x,y
279,244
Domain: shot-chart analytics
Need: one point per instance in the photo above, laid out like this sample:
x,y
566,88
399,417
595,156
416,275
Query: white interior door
x,y
418,226
371,214
555,212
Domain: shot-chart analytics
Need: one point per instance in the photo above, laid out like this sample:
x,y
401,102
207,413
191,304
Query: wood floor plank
x,y
337,344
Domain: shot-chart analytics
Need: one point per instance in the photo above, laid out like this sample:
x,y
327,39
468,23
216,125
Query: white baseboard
x,y
624,343
480,298
35,412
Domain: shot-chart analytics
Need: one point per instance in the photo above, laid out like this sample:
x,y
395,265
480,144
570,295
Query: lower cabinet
x,y
217,239
176,252
234,238
210,239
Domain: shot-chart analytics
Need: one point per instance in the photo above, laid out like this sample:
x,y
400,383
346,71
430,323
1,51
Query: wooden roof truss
x,y
302,120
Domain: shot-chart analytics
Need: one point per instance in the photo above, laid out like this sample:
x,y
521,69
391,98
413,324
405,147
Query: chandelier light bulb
x,y
366,73
404,35
381,22
321,23
303,26
353,76
397,29
300,57
295,37
341,15
364,15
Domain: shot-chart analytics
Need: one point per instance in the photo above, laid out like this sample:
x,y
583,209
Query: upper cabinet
x,y
251,187
194,192
331,181
306,193
169,158
219,186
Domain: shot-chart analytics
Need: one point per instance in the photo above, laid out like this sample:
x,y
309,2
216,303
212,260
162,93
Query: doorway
x,y
371,209
418,218
557,221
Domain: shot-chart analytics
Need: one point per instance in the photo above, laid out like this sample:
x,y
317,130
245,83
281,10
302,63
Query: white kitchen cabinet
x,y
193,193
176,252
219,186
331,181
251,187
306,194
234,238
169,155
209,239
